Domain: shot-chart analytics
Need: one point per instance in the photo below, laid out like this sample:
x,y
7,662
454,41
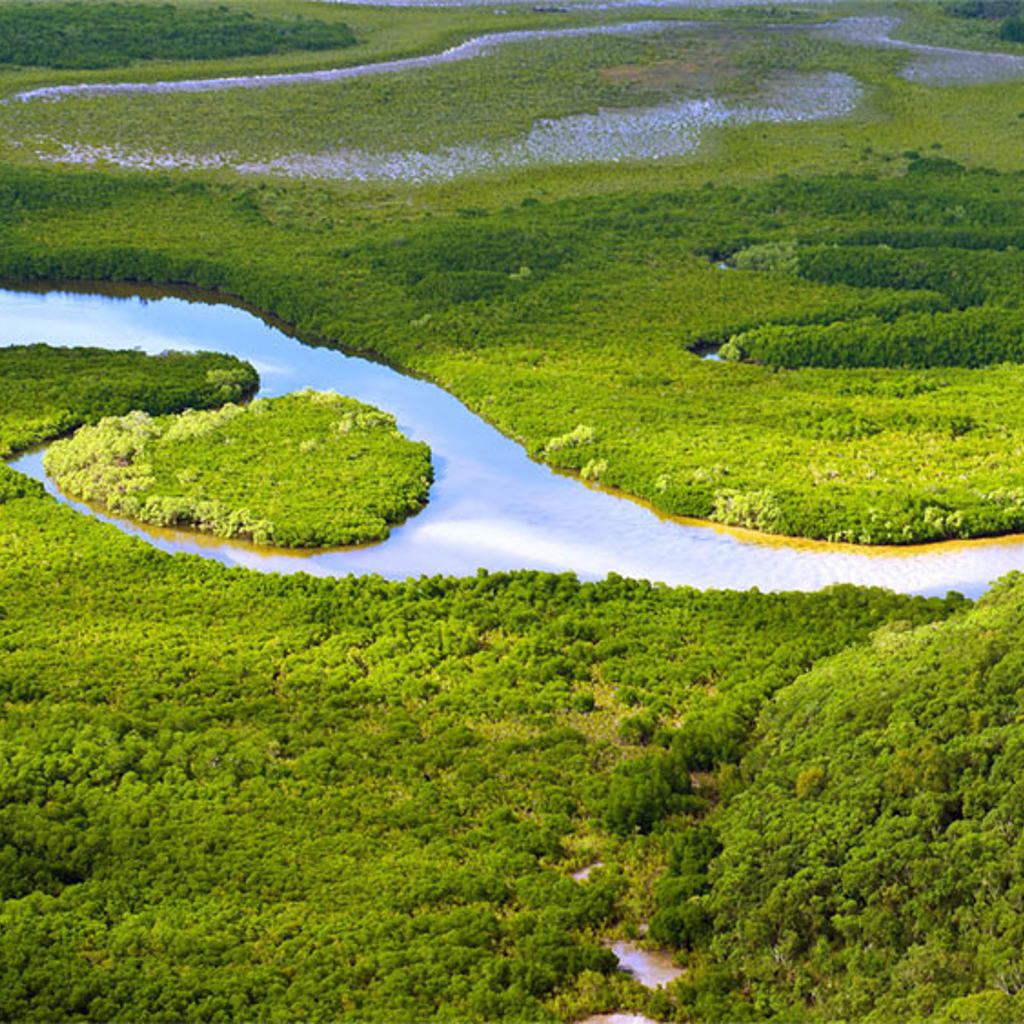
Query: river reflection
x,y
490,506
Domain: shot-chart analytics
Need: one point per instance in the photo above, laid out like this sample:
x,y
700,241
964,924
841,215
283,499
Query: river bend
x,y
491,506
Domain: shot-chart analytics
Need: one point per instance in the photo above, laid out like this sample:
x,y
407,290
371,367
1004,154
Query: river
x,y
662,131
491,506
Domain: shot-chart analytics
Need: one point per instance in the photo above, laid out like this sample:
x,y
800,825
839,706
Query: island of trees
x,y
310,469
227,795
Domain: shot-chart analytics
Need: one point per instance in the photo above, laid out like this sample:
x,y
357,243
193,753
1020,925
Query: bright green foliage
x,y
587,359
967,275
973,337
872,866
334,798
229,794
48,391
232,796
106,35
306,470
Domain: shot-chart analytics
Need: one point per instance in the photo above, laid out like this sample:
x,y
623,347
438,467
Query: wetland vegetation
x,y
110,35
230,795
311,469
352,798
569,324
46,392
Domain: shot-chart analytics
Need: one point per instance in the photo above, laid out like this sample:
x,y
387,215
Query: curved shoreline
x,y
199,296
609,136
937,64
309,469
477,46
491,506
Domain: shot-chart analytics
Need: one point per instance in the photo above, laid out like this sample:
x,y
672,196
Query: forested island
x,y
312,469
230,794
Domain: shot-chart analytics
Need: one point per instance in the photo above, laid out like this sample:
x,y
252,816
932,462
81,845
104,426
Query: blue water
x,y
490,506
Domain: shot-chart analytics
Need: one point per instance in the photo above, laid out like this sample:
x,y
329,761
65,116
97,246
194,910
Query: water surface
x,y
933,65
584,873
609,136
491,506
478,46
652,968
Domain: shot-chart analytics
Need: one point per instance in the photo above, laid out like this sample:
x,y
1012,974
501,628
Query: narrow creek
x,y
491,506
478,46
665,131
652,968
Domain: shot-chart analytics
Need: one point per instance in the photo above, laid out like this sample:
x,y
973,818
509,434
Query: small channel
x,y
652,968
931,65
491,506
478,46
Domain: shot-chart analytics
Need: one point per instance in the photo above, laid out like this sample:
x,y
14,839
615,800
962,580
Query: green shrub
x,y
307,470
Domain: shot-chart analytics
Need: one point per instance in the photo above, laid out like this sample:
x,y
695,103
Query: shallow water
x,y
652,968
479,46
610,136
935,65
490,506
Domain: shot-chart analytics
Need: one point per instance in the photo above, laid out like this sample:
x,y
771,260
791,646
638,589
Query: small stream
x,y
932,65
652,968
491,506
479,46
609,136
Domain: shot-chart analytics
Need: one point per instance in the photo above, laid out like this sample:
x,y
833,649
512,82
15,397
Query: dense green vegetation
x,y
227,794
45,392
312,469
867,865
972,337
585,354
106,35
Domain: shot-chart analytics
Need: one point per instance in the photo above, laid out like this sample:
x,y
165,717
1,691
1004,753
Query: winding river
x,y
478,46
656,132
491,506
665,131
